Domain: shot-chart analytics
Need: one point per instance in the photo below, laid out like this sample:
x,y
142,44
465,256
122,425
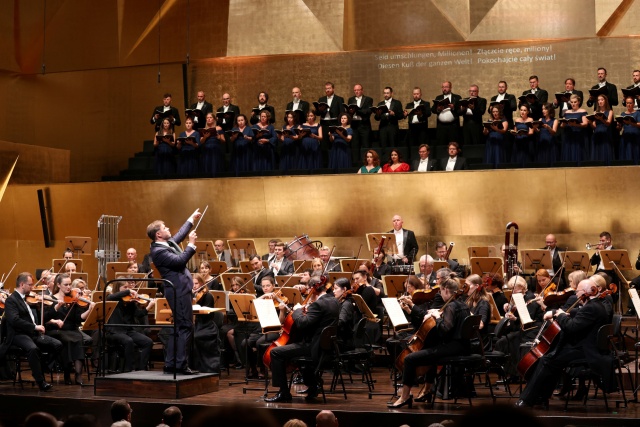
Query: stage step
x,y
155,384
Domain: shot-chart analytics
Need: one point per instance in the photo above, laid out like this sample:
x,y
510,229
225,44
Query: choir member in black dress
x,y
206,354
340,153
547,148
165,161
523,140
310,146
630,142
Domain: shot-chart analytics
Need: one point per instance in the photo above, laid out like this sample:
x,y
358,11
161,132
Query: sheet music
x,y
521,307
395,313
633,293
267,314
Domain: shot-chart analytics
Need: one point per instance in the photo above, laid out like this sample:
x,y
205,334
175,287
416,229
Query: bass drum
x,y
302,248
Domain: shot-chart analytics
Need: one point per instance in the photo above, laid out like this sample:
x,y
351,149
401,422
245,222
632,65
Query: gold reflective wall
x,y
470,208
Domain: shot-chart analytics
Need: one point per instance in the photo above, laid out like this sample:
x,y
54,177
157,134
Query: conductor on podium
x,y
171,261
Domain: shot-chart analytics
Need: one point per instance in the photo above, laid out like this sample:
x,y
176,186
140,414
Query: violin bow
x,y
3,279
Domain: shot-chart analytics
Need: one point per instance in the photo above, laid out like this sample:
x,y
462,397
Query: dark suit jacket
x,y
461,164
174,112
541,94
235,110
320,314
478,111
124,314
302,105
388,119
432,164
17,320
257,280
335,109
286,268
255,118
365,110
422,121
455,100
508,109
410,243
202,117
172,266
612,91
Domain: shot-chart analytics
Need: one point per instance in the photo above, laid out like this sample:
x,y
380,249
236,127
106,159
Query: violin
x,y
420,296
75,296
551,298
346,294
199,293
35,298
141,299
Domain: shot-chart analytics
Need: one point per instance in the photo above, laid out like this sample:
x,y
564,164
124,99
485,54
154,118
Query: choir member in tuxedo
x,y
509,106
168,111
636,84
297,105
425,163
204,108
360,121
389,128
448,122
263,98
472,116
612,90
405,241
323,312
454,162
22,328
232,110
417,119
165,161
541,97
570,89
329,116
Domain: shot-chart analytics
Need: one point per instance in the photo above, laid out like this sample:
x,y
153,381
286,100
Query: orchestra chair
x,y
361,356
579,370
16,356
497,359
329,360
465,365
619,346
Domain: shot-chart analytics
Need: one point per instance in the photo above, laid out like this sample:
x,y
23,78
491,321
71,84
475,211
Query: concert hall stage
x,y
358,409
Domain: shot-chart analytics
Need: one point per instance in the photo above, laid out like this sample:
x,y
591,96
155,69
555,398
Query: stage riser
x,y
158,386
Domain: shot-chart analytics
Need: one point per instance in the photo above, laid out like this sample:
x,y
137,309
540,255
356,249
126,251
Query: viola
x,y
75,296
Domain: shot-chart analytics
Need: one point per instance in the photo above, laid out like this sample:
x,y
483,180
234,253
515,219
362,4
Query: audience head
x,y
375,159
326,418
121,410
172,416
40,419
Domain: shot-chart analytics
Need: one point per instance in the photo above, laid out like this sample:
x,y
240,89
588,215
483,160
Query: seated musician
x,y
281,266
206,354
605,244
211,282
427,276
255,338
360,286
227,331
317,265
260,272
441,253
309,323
447,342
24,330
574,278
128,337
495,288
378,288
303,284
380,265
603,281
514,335
63,321
543,286
348,313
478,301
578,342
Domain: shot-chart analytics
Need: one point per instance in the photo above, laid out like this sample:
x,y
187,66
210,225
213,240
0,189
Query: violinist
x,y
514,336
579,333
212,282
574,278
303,284
603,282
366,267
360,286
23,330
348,313
63,320
255,337
380,265
325,256
447,342
309,323
544,286
227,331
415,312
478,301
495,288
206,340
259,272
128,337
427,276
317,265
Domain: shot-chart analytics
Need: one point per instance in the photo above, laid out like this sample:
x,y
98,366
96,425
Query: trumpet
x,y
590,246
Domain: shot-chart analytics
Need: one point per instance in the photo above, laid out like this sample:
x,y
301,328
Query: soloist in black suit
x,y
389,123
361,126
320,314
418,132
172,265
173,111
202,115
21,332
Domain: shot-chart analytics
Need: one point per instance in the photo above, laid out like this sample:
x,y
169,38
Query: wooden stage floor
x,y
358,409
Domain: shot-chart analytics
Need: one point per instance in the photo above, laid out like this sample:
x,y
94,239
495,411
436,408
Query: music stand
x,y
96,296
59,264
220,299
576,260
618,256
292,294
79,245
127,275
116,267
267,315
349,265
245,266
364,308
246,278
163,313
335,275
287,281
241,249
389,245
94,318
243,307
396,315
82,276
437,265
394,284
482,265
306,264
148,291
535,259
495,313
482,251
205,251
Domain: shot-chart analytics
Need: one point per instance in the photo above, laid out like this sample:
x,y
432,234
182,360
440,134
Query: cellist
x,y
447,342
579,342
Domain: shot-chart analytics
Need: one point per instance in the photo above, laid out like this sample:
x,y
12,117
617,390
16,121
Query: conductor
x,y
171,261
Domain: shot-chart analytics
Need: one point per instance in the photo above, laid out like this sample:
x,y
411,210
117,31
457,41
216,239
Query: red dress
x,y
404,167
